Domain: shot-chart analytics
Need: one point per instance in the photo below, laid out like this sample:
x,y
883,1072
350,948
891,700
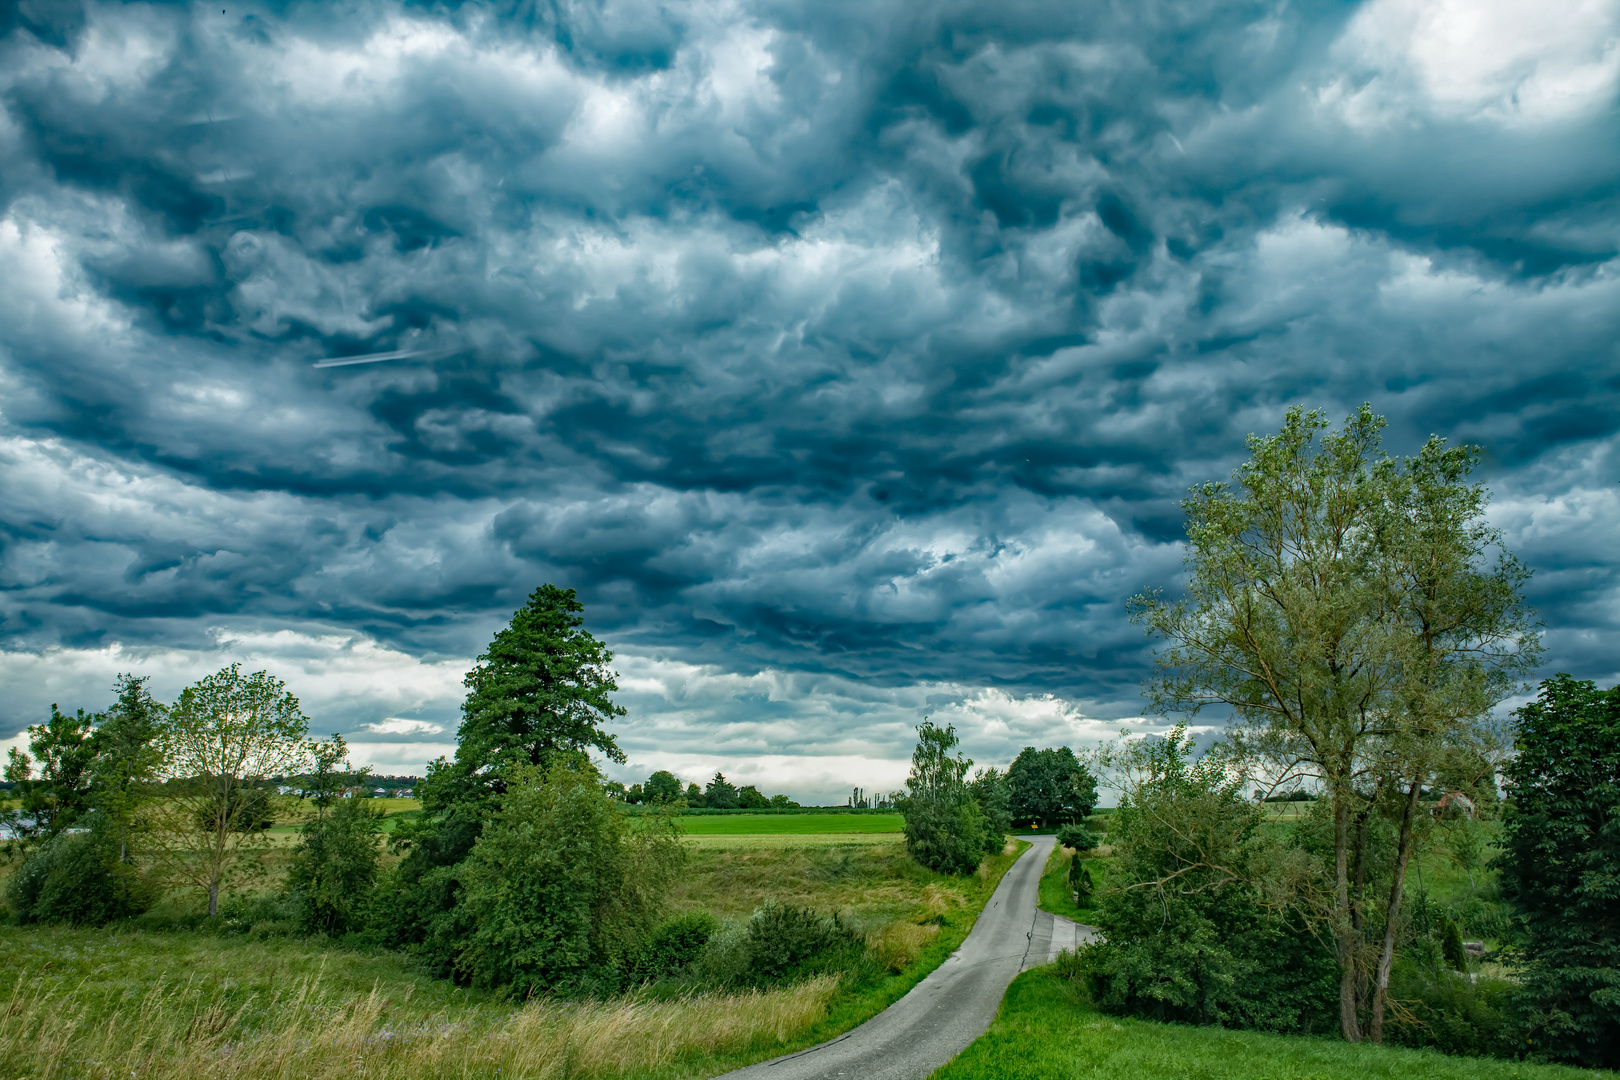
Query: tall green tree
x,y
661,787
943,826
127,762
1560,866
1339,606
1461,640
63,752
226,734
1283,622
1047,786
540,691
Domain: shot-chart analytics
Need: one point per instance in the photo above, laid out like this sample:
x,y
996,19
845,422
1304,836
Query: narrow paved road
x,y
954,1004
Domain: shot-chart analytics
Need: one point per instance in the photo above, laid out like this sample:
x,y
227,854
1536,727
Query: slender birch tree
x,y
225,734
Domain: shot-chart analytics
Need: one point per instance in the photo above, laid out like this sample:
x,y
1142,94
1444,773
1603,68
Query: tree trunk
x,y
213,897
1344,933
1392,916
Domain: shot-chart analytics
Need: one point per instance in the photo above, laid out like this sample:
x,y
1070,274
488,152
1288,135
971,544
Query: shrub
x,y
1079,879
1454,1014
557,893
76,878
1451,945
673,947
1186,934
1078,837
782,937
334,867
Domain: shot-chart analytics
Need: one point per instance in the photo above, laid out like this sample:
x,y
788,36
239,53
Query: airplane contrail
x,y
378,357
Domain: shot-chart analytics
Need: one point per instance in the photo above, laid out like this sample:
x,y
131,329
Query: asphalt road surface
x,y
955,1003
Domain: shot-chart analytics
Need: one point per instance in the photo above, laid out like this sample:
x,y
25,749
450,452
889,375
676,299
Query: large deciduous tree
x,y
1046,786
1560,867
1339,604
226,734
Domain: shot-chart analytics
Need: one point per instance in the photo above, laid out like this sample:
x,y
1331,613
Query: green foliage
x,y
1045,786
674,945
558,894
1560,867
1187,936
944,827
783,939
63,750
661,787
989,788
720,794
694,797
1080,883
335,865
538,693
750,798
1451,945
76,878
1455,1014
1078,837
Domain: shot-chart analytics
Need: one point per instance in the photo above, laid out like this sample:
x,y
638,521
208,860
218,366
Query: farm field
x,y
1046,1031
792,824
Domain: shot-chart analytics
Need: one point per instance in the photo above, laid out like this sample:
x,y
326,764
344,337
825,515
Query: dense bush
x,y
674,946
558,894
1078,837
76,878
782,938
1186,934
1454,1013
334,866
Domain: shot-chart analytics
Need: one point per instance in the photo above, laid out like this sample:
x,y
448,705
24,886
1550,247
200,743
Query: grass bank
x,y
1045,1031
121,1002
1055,894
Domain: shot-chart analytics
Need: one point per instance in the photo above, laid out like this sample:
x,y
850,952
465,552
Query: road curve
x,y
947,1010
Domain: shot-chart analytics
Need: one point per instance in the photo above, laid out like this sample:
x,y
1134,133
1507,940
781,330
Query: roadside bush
x,y
676,943
1080,883
945,829
76,878
782,937
1186,934
1078,837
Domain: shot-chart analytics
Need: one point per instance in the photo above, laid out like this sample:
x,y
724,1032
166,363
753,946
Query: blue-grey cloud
x,y
872,341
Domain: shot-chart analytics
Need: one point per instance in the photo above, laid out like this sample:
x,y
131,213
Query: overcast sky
x,y
849,358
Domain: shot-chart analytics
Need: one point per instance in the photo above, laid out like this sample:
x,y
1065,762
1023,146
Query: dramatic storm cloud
x,y
849,359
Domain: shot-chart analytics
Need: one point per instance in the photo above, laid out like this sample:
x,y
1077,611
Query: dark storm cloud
x,y
873,340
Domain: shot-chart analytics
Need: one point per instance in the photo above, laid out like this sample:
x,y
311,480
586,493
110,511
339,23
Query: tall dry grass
x,y
179,1031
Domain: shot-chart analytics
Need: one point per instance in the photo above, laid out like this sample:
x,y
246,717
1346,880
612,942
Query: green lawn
x,y
791,824
1045,1032
1055,894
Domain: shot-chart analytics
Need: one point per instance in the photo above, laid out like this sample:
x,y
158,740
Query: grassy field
x,y
792,824
1055,894
1045,1031
161,1004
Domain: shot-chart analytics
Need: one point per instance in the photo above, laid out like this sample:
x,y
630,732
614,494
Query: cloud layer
x,y
848,349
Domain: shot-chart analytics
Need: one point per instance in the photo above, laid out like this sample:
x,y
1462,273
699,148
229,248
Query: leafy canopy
x,y
539,692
